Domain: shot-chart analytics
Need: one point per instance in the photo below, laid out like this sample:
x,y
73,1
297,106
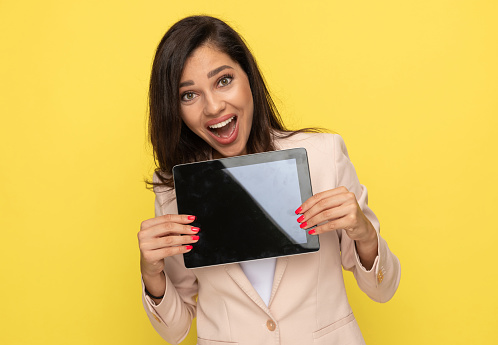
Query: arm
x,y
172,315
345,209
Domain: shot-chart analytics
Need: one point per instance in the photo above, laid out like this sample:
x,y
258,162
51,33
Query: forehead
x,y
204,59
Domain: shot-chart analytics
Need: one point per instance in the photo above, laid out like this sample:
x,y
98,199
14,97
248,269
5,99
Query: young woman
x,y
208,100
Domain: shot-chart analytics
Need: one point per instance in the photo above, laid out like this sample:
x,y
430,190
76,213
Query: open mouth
x,y
224,129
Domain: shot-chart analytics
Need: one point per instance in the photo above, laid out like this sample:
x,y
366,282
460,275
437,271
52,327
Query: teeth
x,y
222,124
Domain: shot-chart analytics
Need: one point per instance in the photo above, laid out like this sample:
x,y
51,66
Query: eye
x,y
225,80
188,96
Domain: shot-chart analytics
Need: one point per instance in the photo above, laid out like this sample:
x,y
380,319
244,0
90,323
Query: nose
x,y
214,104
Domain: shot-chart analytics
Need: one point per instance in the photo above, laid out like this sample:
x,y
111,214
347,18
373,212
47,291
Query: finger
x,y
330,214
167,218
320,196
168,241
171,251
328,209
166,229
334,225
160,254
327,205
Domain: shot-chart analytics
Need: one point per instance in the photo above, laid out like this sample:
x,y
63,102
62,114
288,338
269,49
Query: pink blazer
x,y
308,303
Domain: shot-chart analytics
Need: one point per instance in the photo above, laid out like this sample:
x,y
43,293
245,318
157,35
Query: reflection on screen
x,y
275,187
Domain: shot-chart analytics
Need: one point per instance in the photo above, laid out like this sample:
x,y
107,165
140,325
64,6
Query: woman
x,y
208,100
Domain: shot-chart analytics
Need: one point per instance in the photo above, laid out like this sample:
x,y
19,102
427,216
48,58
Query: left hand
x,y
340,209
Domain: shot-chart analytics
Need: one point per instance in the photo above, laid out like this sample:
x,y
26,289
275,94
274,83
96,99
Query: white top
x,y
260,273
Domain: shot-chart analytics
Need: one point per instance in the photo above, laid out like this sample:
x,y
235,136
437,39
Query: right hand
x,y
164,236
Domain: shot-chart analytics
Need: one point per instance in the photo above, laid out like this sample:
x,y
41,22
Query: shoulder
x,y
163,193
320,142
323,150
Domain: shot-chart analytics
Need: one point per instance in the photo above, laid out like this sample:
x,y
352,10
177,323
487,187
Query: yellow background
x,y
410,85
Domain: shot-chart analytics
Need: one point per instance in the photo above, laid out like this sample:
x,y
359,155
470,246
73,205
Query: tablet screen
x,y
269,184
245,206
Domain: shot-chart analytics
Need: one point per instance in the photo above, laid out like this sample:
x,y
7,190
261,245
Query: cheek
x,y
247,102
250,108
250,113
189,118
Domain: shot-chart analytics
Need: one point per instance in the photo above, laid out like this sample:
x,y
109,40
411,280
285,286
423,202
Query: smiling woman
x,y
208,100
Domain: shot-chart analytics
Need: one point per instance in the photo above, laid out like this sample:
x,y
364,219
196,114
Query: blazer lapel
x,y
279,272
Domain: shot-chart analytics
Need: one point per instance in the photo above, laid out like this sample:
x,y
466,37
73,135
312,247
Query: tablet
x,y
245,206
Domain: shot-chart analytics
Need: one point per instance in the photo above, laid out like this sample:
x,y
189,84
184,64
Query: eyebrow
x,y
209,75
186,83
217,70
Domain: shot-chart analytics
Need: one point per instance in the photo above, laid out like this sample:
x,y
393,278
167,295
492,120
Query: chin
x,y
226,152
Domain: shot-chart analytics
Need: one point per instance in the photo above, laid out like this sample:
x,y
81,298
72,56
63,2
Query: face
x,y
216,101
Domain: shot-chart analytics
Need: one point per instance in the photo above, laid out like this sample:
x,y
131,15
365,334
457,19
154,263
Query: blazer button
x,y
271,325
380,277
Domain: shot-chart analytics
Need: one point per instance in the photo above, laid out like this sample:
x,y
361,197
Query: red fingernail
x,y
195,238
299,210
303,225
300,219
194,229
189,247
191,217
311,232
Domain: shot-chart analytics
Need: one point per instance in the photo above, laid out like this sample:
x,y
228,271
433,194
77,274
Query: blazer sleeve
x,y
382,280
172,317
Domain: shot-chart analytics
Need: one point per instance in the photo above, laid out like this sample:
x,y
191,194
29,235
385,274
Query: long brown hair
x,y
173,142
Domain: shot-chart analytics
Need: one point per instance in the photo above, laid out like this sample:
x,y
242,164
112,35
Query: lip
x,y
232,137
219,119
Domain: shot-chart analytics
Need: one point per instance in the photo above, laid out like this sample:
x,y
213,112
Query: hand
x,y
164,236
339,207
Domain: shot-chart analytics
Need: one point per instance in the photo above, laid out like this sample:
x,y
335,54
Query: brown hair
x,y
173,142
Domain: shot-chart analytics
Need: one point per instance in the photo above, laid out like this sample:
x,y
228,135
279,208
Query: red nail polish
x,y
194,229
191,217
300,219
303,225
299,210
189,247
311,232
195,238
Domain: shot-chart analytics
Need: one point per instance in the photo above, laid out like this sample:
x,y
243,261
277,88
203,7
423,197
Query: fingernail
x,y
303,225
189,247
299,210
194,229
195,238
191,217
311,232
300,219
